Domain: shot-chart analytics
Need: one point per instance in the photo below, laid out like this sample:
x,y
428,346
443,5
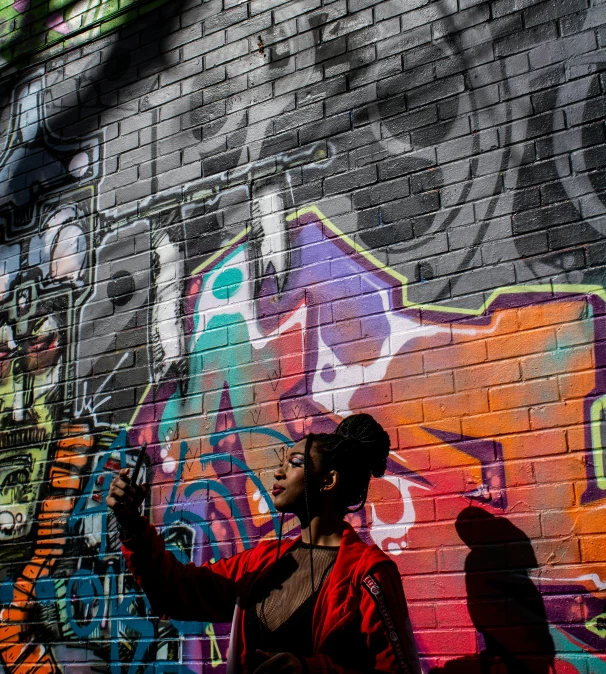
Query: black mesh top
x,y
279,617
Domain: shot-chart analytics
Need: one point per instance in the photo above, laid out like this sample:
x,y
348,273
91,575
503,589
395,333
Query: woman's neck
x,y
326,530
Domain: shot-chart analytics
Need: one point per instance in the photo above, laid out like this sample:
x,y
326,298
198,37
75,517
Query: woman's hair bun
x,y
374,442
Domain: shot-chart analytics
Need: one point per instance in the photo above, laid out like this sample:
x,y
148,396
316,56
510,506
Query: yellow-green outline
x,y
579,289
406,304
595,415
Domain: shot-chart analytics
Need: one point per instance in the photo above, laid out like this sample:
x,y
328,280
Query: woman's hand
x,y
283,663
124,498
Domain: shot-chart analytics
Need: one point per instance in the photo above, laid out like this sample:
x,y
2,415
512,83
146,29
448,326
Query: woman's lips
x,y
277,489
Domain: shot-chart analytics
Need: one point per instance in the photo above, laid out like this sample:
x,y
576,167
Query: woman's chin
x,y
279,506
282,505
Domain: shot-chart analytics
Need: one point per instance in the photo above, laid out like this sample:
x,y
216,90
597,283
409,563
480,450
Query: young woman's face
x,y
289,488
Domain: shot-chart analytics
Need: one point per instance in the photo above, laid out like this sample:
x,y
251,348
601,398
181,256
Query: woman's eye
x,y
297,463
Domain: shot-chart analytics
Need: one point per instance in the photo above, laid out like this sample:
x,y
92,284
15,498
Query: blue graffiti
x,y
85,589
95,599
122,616
174,514
86,506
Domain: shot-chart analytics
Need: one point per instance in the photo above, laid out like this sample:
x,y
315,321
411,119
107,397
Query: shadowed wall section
x,y
226,224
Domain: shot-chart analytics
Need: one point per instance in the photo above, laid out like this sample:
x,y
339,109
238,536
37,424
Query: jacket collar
x,y
339,596
354,556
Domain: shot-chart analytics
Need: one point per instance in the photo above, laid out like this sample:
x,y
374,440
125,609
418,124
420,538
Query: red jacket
x,y
360,621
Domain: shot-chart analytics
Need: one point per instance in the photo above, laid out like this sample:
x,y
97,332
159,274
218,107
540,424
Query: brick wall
x,y
226,224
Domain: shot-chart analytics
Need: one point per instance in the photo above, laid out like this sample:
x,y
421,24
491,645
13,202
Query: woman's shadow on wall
x,y
505,606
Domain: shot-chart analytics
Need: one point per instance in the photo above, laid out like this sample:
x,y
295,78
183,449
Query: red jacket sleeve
x,y
205,593
385,627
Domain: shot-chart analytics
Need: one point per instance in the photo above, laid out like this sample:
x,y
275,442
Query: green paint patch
x,y
223,321
598,625
227,284
35,31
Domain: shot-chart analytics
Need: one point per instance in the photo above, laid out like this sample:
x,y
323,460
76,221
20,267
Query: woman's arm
x,y
175,590
183,591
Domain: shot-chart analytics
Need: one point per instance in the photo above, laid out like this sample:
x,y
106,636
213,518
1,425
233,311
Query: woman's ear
x,y
330,480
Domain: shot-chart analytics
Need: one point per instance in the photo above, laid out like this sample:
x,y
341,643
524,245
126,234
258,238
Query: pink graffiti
x,y
56,22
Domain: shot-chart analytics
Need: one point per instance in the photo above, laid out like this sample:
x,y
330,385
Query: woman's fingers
x,y
111,501
121,489
264,654
121,493
142,492
117,483
269,666
118,494
279,663
125,498
139,493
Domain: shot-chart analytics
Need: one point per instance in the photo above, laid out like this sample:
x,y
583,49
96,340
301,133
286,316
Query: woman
x,y
324,602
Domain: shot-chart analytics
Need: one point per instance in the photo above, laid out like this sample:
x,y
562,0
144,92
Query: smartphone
x,y
139,464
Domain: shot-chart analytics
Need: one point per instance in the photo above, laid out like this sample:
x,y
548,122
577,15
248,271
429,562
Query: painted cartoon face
x,y
36,297
31,355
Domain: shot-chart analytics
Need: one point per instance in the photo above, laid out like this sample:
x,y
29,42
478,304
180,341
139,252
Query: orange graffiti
x,y
19,652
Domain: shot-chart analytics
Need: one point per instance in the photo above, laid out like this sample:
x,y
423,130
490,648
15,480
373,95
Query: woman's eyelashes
x,y
296,462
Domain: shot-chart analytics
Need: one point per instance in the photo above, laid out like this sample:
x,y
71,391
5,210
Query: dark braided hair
x,y
308,442
357,450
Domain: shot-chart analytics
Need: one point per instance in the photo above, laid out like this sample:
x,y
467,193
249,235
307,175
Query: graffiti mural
x,y
229,224
28,28
48,217
453,390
